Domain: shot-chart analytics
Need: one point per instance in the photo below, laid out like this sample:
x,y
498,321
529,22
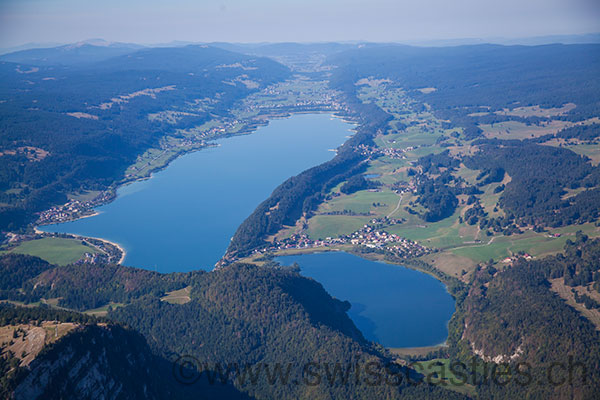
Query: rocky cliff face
x,y
94,362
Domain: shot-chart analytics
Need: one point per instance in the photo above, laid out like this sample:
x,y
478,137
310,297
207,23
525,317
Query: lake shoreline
x,y
415,297
416,351
337,141
408,264
115,244
250,129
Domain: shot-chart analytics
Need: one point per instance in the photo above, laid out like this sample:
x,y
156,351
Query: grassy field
x,y
589,150
519,130
389,170
558,286
379,204
84,195
362,202
443,233
536,244
323,226
180,296
537,111
57,251
102,311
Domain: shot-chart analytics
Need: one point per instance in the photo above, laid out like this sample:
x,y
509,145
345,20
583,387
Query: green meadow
x,y
57,251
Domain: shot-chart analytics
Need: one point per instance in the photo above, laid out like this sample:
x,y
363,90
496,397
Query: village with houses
x,y
367,239
391,152
74,209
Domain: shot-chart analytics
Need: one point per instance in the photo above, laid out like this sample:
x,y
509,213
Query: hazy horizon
x,y
153,21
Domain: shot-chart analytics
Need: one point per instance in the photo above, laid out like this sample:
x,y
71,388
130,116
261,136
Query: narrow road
x,y
397,207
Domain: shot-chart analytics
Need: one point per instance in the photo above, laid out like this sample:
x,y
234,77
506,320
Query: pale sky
x,y
154,21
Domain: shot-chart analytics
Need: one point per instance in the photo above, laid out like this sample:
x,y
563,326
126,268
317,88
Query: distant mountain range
x,y
93,50
526,41
85,52
96,50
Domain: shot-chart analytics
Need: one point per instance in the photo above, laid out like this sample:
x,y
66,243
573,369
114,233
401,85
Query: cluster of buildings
x,y
73,209
93,258
222,128
284,96
367,237
386,221
402,187
373,238
286,100
391,152
510,260
299,105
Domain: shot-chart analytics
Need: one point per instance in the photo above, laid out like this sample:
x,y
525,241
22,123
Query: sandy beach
x,y
117,245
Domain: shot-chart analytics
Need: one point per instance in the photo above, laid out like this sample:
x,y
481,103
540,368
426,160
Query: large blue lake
x,y
184,217
391,305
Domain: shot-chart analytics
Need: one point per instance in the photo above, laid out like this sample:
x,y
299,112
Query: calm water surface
x,y
184,217
391,305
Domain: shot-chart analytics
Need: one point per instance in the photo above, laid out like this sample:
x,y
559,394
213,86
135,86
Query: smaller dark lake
x,y
392,305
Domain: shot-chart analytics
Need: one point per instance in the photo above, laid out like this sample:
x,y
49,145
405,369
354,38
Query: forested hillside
x,y
89,359
513,316
482,75
459,82
75,54
540,176
239,317
79,127
271,319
